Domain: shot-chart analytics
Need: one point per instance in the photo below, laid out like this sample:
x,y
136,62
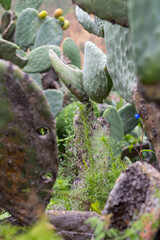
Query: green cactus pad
x,y
8,34
112,11
37,78
55,100
96,83
23,4
49,33
27,26
8,51
39,60
94,26
72,78
71,50
6,4
127,113
26,156
145,32
120,63
5,20
113,117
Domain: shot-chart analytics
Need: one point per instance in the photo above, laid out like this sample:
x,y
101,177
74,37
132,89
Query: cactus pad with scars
x,y
26,156
120,63
49,33
96,81
72,78
71,50
6,18
112,11
23,4
127,113
39,60
27,25
8,51
55,100
133,195
91,25
144,21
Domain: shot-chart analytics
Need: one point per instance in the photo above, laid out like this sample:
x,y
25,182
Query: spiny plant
x,y
129,63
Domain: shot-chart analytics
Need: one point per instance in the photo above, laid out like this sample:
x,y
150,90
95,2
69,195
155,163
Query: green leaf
x,y
130,148
96,207
147,150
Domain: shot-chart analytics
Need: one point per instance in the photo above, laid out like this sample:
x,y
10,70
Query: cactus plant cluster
x,y
131,32
131,64
27,35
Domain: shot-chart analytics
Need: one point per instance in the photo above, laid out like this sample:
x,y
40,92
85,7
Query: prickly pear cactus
x,y
96,80
71,50
113,117
112,11
94,26
27,26
9,51
28,148
6,4
38,59
145,22
55,100
49,33
127,113
120,62
133,195
72,78
23,4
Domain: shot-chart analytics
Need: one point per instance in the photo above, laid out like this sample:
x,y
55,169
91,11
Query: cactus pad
x,y
112,11
71,50
49,33
6,4
23,4
39,60
8,51
27,25
55,100
113,117
120,63
96,82
127,113
72,78
37,78
144,21
26,156
91,25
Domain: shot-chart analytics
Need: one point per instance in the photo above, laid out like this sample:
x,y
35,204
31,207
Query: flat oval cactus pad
x,y
28,148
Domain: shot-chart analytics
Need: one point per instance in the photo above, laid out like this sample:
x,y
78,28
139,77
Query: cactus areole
x,y
28,159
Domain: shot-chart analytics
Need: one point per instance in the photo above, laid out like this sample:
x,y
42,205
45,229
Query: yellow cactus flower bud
x,y
58,12
66,24
43,14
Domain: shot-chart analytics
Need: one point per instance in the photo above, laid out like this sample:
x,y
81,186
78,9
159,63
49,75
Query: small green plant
x,y
42,230
139,229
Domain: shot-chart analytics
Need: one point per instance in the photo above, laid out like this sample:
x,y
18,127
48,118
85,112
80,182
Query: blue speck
x,y
137,116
